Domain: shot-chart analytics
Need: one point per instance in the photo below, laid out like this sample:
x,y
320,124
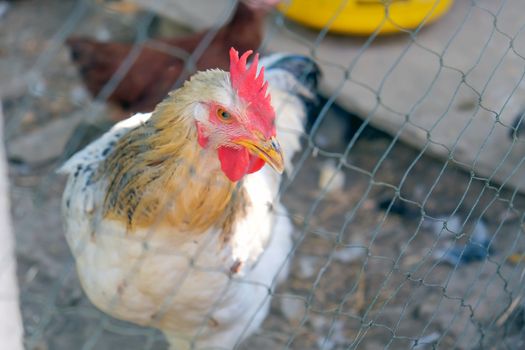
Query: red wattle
x,y
256,164
237,162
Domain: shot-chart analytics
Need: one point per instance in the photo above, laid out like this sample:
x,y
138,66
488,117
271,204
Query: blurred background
x,y
408,197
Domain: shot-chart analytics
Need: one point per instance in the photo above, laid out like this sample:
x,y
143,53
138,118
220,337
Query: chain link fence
x,y
408,216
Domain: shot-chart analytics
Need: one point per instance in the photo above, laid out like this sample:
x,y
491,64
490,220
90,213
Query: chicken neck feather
x,y
160,176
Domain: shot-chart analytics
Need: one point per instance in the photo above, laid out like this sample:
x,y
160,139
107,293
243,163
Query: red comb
x,y
252,88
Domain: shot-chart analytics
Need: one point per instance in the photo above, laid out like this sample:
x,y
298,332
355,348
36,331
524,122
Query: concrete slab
x,y
454,89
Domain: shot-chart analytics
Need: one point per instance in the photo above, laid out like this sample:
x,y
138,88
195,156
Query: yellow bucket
x,y
364,17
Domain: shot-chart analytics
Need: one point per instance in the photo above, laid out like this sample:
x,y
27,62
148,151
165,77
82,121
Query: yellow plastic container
x,y
364,17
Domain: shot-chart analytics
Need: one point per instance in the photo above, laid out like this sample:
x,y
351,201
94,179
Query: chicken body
x,y
181,247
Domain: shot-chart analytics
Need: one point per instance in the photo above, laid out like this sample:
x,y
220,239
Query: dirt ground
x,y
366,272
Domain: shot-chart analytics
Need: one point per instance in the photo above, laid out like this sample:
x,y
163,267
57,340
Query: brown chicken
x,y
154,73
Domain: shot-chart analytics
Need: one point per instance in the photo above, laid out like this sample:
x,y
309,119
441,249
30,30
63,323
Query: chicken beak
x,y
267,150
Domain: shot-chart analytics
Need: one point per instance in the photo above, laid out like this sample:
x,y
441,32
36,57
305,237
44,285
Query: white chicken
x,y
171,222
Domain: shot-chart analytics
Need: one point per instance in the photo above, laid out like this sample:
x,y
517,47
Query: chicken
x,y
172,217
155,72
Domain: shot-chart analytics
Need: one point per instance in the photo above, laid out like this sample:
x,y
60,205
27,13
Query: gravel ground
x,y
366,271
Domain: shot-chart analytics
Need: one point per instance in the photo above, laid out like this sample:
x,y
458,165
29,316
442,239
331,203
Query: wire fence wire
x,y
409,252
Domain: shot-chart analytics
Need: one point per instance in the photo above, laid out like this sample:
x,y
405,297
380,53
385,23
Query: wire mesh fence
x,y
406,238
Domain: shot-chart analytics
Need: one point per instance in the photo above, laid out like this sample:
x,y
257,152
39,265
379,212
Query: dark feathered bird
x,y
154,73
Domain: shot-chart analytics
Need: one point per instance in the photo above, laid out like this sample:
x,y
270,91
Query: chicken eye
x,y
224,115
